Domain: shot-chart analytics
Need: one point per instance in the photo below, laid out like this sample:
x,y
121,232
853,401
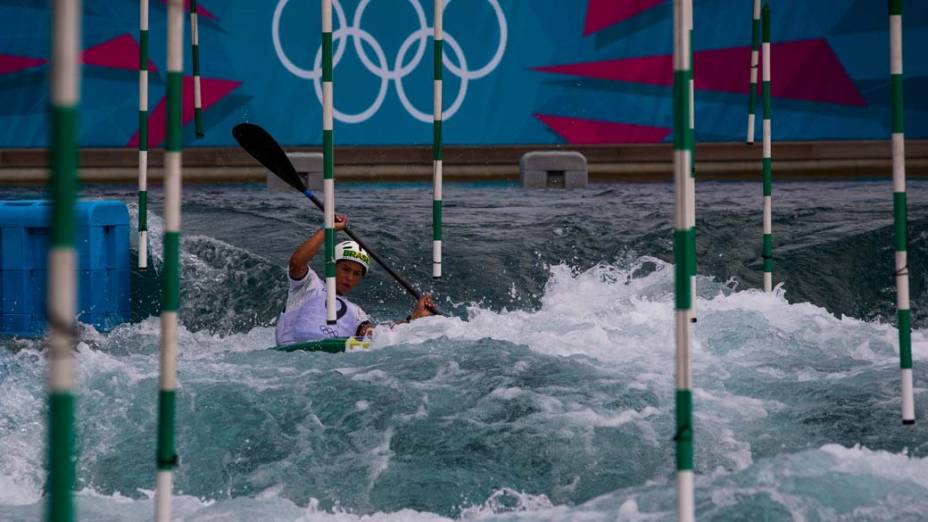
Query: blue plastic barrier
x,y
102,236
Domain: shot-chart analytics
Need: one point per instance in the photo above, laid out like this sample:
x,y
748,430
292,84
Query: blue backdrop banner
x,y
515,71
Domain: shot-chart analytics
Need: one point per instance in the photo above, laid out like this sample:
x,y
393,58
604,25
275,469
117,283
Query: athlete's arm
x,y
422,309
299,260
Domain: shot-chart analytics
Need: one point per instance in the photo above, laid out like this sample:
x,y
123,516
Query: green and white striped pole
x,y
903,313
328,162
62,259
682,246
195,57
755,56
691,184
767,160
437,146
143,134
170,286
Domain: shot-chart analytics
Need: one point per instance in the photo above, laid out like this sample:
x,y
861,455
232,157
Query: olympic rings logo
x,y
381,69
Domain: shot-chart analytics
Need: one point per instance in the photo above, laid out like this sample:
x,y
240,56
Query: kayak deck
x,y
331,345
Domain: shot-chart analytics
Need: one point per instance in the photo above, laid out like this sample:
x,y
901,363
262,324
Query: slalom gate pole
x,y
166,459
767,161
328,162
143,134
755,55
62,259
437,145
903,313
683,300
691,183
195,61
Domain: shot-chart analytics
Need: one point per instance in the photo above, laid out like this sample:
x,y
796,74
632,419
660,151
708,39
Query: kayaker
x,y
304,318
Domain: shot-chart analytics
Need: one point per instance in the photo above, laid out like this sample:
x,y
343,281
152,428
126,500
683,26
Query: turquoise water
x,y
548,392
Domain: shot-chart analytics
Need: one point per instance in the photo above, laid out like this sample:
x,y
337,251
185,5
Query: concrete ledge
x,y
553,169
792,160
552,160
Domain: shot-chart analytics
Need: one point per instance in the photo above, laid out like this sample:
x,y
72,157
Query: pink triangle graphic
x,y
800,70
121,52
601,14
200,10
580,131
212,90
10,64
651,70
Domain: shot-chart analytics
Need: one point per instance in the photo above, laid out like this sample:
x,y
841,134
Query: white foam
x,y
507,500
603,317
895,466
606,313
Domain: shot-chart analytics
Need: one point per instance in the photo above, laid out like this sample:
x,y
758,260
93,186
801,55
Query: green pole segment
x,y
437,145
755,56
903,312
682,144
62,260
767,161
328,162
166,457
195,57
143,134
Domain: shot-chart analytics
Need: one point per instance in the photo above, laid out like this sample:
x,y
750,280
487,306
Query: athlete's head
x,y
351,264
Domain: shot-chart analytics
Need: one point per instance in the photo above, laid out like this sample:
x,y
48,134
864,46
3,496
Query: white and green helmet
x,y
352,251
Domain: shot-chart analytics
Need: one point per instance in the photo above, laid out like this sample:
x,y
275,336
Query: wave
x,y
563,411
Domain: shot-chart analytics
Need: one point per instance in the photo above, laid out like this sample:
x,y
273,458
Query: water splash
x,y
548,397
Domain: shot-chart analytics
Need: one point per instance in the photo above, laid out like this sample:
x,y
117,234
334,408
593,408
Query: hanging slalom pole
x,y
195,61
903,313
437,145
143,134
755,55
767,161
691,182
62,259
166,459
328,162
682,247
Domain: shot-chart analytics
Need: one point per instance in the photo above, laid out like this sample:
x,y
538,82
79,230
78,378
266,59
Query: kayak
x,y
331,345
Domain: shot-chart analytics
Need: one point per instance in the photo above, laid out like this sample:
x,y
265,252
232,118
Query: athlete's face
x,y
347,275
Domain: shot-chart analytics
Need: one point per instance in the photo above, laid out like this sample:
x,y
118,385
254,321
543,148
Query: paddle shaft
x,y
264,148
384,265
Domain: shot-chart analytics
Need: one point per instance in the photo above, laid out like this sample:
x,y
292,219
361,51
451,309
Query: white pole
x,y
767,162
437,152
903,312
691,182
143,135
166,459
328,153
683,227
62,259
755,56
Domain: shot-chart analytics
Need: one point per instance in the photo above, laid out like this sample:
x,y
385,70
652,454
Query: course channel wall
x,y
812,160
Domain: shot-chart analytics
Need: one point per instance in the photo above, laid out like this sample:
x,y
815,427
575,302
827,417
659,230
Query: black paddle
x,y
262,147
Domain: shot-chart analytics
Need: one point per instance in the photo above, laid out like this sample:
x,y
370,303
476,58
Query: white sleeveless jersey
x,y
304,318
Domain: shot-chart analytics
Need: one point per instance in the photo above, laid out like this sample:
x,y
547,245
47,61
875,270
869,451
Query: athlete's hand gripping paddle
x,y
262,147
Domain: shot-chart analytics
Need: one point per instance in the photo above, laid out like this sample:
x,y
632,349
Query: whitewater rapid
x,y
546,395
563,412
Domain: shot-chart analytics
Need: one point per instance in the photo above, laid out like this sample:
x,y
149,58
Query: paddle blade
x,y
262,147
